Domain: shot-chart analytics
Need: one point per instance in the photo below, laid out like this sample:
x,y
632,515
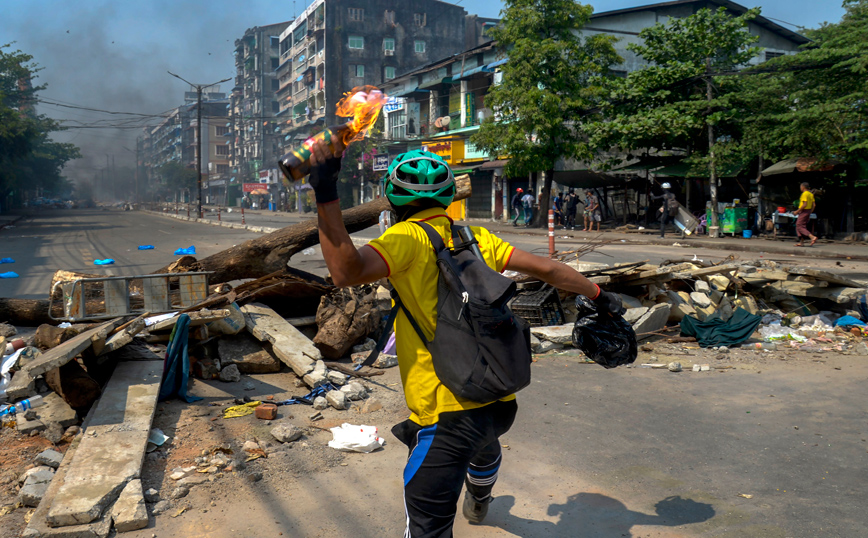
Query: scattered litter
x,y
849,321
107,261
189,251
745,495
9,274
156,439
674,366
7,260
309,251
240,410
352,438
65,325
146,247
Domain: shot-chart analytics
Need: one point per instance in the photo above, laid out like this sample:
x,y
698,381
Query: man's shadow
x,y
593,515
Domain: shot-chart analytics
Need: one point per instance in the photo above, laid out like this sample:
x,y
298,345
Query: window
x,y
357,70
389,72
397,124
222,130
389,43
275,41
390,16
771,55
222,150
356,42
420,47
275,107
275,62
356,14
419,19
222,168
275,84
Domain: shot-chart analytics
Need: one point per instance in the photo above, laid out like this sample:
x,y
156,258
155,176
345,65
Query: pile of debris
x,y
800,306
111,372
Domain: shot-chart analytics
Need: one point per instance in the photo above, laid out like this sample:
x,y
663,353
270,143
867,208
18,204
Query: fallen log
x,y
26,312
72,383
270,253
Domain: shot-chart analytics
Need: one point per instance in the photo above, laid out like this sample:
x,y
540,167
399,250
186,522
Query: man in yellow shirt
x,y
807,205
453,441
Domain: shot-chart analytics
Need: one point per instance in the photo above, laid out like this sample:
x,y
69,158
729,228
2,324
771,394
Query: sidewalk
x,y
823,249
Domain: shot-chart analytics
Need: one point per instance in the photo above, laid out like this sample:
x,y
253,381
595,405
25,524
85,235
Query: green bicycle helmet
x,y
419,176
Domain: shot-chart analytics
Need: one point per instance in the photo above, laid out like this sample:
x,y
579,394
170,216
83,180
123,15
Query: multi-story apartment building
x,y
336,45
253,104
438,106
174,140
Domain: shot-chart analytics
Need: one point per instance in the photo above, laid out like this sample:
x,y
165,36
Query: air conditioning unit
x,y
388,52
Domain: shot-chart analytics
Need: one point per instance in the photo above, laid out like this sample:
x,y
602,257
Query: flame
x,y
363,105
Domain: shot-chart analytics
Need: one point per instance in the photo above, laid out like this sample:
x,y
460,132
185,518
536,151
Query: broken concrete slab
x,y
197,319
112,449
318,376
653,320
124,336
62,354
559,334
54,409
247,354
35,487
700,300
23,385
50,458
134,351
291,347
337,399
230,374
632,315
129,512
38,527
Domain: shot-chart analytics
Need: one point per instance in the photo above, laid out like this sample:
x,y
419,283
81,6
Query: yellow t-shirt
x,y
806,200
413,272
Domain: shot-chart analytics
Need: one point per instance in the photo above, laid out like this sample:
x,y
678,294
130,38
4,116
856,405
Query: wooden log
x,y
25,312
72,383
270,253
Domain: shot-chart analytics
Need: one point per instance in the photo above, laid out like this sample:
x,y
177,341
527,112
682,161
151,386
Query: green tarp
x,y
715,332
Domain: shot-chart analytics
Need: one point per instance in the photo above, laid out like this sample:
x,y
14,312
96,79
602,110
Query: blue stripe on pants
x,y
423,443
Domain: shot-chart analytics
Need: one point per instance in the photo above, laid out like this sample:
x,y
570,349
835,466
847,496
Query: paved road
x,y
594,453
72,239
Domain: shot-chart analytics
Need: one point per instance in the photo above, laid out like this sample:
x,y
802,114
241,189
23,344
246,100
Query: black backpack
x,y
672,205
481,350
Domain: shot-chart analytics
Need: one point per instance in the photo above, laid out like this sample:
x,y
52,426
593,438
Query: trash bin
x,y
747,234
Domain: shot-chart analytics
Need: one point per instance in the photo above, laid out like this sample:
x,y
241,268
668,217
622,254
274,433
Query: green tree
x,y
813,104
29,159
551,81
674,103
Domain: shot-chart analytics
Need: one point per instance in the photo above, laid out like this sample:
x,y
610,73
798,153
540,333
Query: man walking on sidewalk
x,y
516,205
527,202
453,441
807,205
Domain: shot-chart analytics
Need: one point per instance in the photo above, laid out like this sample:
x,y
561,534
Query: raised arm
x,y
348,265
564,277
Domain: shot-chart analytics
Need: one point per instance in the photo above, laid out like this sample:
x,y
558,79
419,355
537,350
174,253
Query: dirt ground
x,y
247,496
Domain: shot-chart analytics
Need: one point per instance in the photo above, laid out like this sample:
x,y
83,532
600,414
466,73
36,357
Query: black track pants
x,y
463,447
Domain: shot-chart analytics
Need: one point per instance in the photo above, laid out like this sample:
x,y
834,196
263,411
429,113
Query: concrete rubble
x,y
97,484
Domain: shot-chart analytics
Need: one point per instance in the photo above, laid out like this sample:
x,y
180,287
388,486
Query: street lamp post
x,y
199,134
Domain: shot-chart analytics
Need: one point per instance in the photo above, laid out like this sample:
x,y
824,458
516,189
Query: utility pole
x,y
713,179
198,135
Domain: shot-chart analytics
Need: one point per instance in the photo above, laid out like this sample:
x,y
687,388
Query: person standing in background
x,y
527,202
516,205
807,205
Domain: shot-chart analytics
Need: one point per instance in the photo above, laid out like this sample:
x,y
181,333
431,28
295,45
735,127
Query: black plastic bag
x,y
605,338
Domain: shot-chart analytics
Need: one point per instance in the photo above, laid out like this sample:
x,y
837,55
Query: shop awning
x,y
583,179
411,92
465,168
801,164
492,65
475,71
491,165
434,83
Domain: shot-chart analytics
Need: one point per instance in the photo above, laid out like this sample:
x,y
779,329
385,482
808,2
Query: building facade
x,y
253,105
439,106
337,45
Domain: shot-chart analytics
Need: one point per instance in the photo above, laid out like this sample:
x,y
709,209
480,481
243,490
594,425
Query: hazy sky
x,y
114,54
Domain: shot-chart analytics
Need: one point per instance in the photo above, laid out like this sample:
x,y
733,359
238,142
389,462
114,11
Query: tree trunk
x,y
25,312
72,383
545,199
270,253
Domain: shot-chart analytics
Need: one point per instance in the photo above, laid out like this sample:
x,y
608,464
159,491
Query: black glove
x,y
324,180
609,302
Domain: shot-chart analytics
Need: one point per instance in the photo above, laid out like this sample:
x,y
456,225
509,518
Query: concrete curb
x,y
235,226
232,225
750,245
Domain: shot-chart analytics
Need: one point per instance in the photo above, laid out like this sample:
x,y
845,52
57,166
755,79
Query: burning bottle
x,y
363,105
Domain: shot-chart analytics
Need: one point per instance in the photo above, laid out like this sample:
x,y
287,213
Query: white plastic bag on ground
x,y
352,438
